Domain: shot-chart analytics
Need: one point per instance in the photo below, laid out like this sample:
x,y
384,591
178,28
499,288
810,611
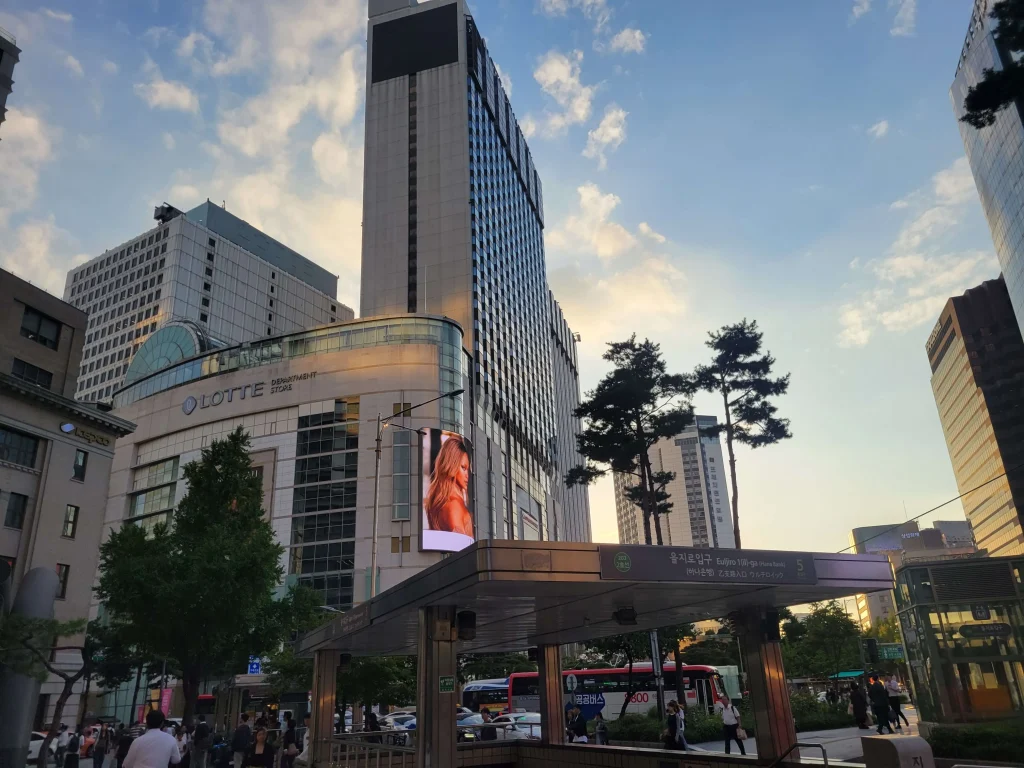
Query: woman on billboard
x,y
447,494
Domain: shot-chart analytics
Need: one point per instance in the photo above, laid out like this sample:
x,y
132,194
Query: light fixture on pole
x,y
381,425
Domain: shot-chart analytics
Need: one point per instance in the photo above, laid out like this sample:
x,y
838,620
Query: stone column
x,y
321,720
436,688
552,703
766,680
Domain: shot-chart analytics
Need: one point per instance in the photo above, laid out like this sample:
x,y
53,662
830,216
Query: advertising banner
x,y
447,473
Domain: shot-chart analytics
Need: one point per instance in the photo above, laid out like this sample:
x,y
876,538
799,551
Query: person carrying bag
x,y
732,729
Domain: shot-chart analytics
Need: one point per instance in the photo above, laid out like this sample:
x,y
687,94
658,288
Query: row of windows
x,y
31,373
326,527
148,502
115,257
341,437
323,498
156,474
327,468
18,448
323,558
17,508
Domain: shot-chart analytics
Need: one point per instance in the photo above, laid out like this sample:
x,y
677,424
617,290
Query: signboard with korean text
x,y
712,566
890,651
446,683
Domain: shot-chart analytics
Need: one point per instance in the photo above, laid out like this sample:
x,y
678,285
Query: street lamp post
x,y
382,424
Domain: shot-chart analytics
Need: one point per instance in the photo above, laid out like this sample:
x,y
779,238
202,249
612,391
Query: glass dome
x,y
178,340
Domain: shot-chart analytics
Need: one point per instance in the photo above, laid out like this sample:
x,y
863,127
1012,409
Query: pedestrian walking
x,y
371,725
892,687
154,748
577,726
260,754
202,739
62,745
675,727
184,743
241,741
101,746
124,743
600,728
880,705
859,706
490,733
290,745
74,745
730,725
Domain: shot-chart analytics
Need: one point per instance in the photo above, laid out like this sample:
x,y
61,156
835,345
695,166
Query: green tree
x,y
286,672
203,592
886,631
830,643
487,666
792,628
998,89
28,646
713,652
742,376
624,650
379,680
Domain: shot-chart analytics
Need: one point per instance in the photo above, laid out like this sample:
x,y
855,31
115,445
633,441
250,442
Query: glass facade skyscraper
x,y
453,225
995,153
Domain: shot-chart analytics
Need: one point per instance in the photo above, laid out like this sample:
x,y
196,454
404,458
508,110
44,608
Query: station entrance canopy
x,y
527,594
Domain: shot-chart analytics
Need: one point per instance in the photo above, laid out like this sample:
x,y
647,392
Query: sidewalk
x,y
839,743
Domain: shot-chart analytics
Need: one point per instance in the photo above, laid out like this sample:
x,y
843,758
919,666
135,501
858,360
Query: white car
x,y
394,726
518,725
35,742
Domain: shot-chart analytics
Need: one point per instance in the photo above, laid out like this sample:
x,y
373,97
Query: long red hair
x,y
442,479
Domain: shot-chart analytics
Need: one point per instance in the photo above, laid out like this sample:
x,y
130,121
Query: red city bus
x,y
604,690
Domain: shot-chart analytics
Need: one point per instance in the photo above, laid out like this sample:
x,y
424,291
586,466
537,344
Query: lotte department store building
x,y
309,402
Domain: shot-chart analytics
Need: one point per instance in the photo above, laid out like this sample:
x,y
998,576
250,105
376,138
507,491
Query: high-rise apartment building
x,y
996,153
977,360
700,515
9,52
232,282
453,222
55,459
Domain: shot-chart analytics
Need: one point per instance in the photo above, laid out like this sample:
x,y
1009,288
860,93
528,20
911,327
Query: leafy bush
x,y
635,728
988,741
824,721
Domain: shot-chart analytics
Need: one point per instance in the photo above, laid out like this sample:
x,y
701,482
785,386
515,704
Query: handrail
x,y
784,755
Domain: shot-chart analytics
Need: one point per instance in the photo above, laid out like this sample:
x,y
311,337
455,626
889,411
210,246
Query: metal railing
x,y
808,745
489,733
7,35
363,750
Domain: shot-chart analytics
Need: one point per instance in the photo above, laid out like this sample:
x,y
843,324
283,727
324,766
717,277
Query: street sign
x,y
985,630
890,651
255,665
446,683
571,682
690,564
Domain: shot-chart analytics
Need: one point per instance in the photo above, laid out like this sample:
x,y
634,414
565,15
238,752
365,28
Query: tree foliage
x,y
828,645
201,592
624,651
636,404
712,651
487,666
742,376
886,631
1000,88
379,680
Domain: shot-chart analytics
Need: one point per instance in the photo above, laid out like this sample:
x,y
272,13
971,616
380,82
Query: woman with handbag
x,y
731,726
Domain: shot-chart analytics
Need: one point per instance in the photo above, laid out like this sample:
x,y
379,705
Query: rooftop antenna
x,y
905,515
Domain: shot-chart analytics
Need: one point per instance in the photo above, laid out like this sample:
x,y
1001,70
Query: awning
x,y
848,674
528,593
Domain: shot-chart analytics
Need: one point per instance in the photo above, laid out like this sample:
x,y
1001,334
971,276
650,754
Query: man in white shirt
x,y
62,744
154,748
892,687
730,725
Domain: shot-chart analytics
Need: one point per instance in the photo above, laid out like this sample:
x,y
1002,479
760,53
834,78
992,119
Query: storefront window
x,y
987,688
981,630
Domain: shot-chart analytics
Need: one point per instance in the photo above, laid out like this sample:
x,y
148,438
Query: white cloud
x,y
58,15
188,44
860,7
596,11
166,94
559,77
109,67
73,65
645,229
628,40
608,135
906,18
40,252
528,126
506,81
879,129
920,271
590,229
334,158
169,142
28,143
156,35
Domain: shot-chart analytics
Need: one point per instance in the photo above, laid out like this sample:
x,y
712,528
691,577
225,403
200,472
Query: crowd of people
x,y
884,697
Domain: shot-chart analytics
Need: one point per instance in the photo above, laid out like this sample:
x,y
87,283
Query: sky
x,y
796,163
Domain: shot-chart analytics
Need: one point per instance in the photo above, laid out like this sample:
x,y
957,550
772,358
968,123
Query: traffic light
x,y
871,650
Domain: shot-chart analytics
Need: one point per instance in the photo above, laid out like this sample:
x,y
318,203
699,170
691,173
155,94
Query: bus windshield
x,y
492,694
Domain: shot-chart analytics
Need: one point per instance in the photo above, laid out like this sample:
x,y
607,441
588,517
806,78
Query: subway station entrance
x,y
500,596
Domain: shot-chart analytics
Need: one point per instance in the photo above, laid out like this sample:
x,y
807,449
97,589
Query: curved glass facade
x,y
445,334
173,343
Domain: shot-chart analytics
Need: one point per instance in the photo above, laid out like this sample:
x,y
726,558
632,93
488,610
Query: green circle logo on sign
x,y
622,562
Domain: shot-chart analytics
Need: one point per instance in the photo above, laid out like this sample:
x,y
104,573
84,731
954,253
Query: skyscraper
x,y
9,52
700,515
453,225
227,280
995,153
977,360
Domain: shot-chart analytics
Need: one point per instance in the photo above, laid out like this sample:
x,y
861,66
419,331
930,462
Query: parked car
x,y
519,725
395,727
464,719
35,742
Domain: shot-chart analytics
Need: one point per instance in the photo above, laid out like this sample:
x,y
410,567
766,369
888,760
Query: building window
x,y
269,330
401,544
270,316
81,460
206,302
30,373
203,317
397,408
70,521
209,272
41,328
63,571
212,242
18,448
206,286
401,481
209,256
16,505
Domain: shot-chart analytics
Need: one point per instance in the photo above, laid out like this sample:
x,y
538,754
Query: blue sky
x,y
793,162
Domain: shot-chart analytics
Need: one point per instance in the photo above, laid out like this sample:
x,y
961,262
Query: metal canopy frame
x,y
526,594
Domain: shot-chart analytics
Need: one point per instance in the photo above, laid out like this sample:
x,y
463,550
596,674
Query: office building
x,y
205,266
9,52
700,515
962,623
453,220
55,457
995,153
905,543
977,361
